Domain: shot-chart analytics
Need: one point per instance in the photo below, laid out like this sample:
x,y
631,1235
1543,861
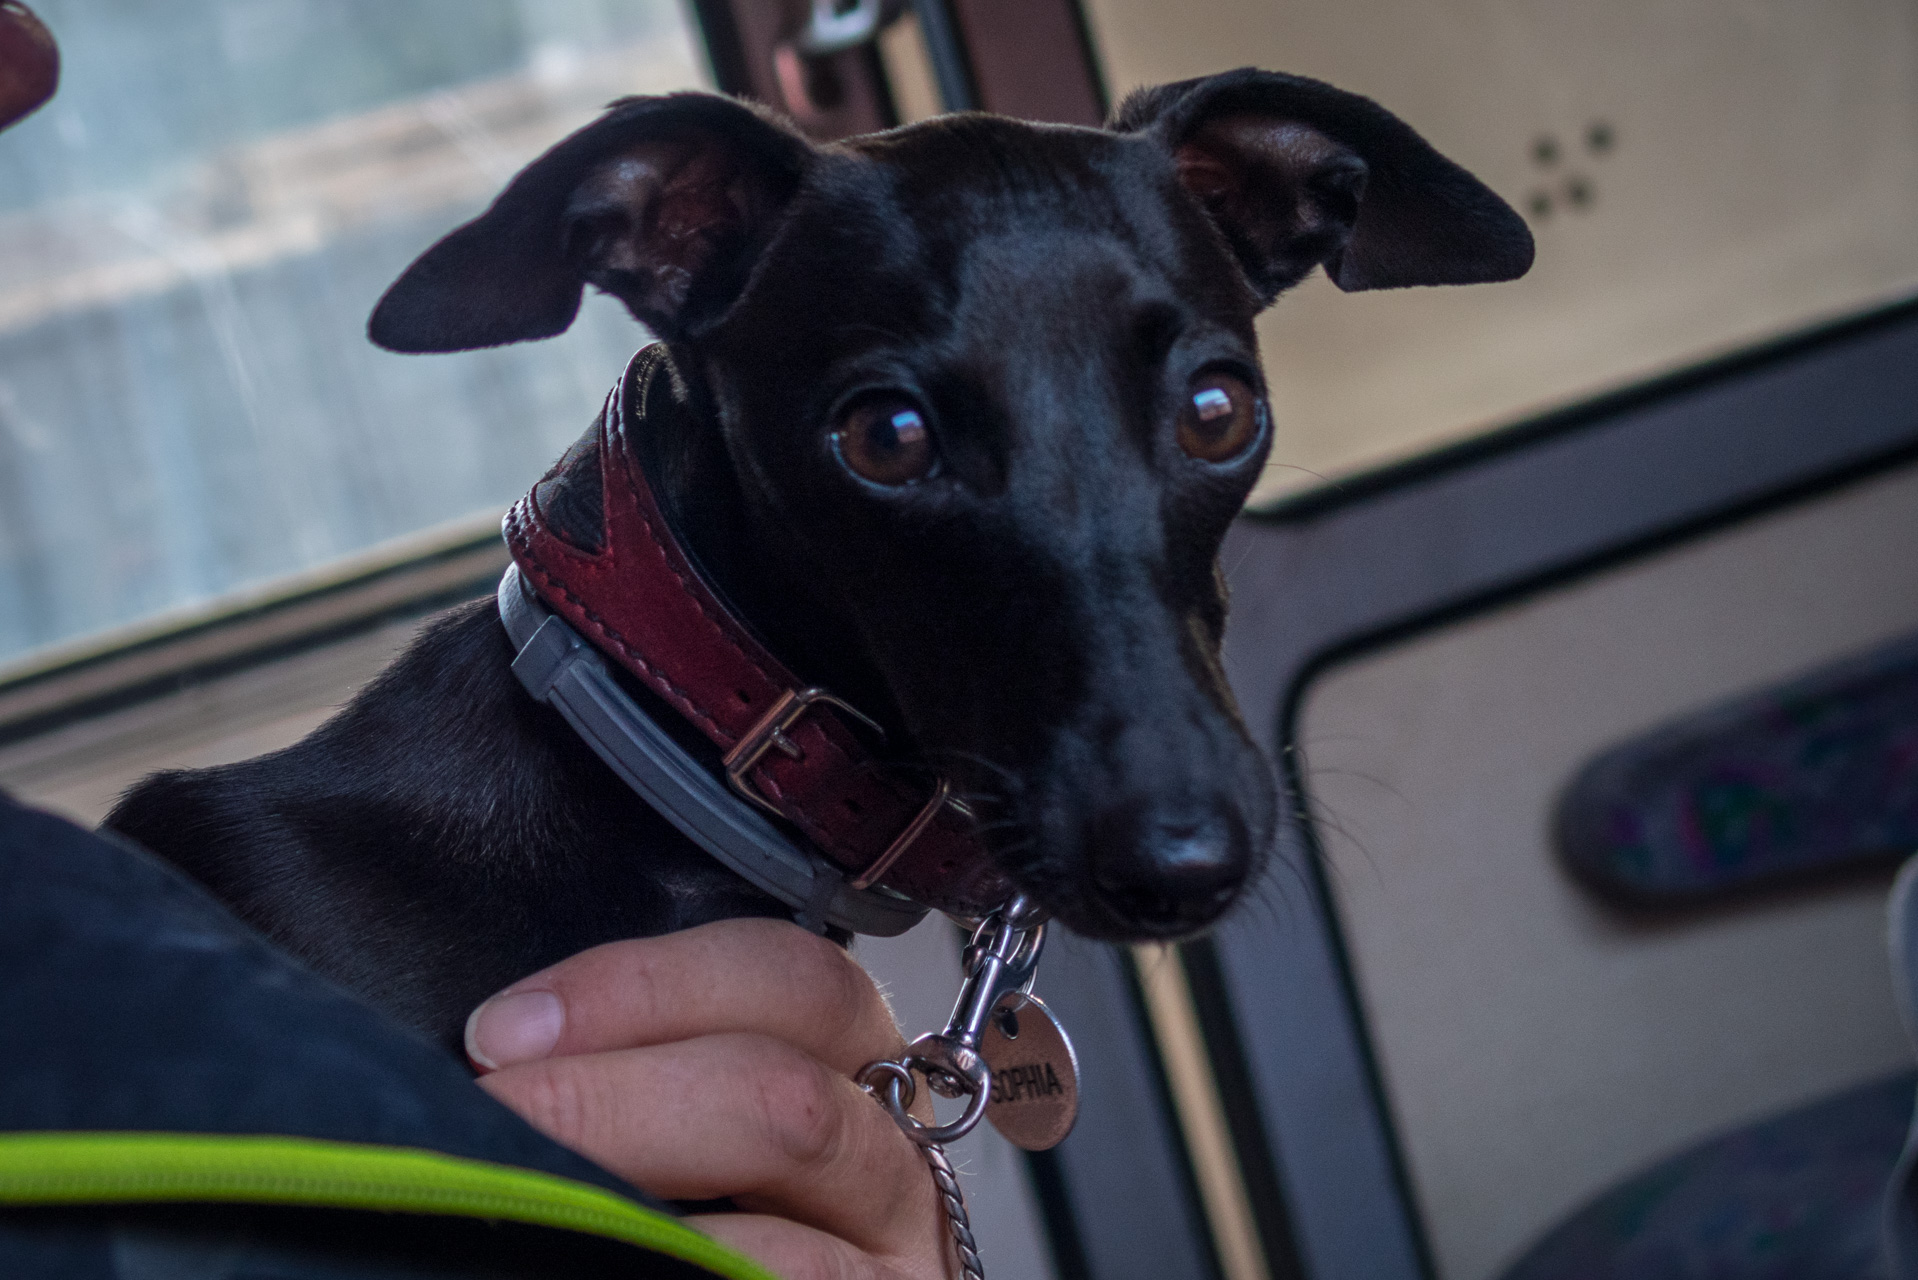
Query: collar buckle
x,y
769,734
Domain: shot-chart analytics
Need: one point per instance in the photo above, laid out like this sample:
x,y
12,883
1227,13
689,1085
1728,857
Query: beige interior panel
x,y
1537,1046
1762,176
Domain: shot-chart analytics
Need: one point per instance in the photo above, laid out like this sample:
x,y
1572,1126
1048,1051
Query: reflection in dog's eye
x,y
886,441
1222,419
904,429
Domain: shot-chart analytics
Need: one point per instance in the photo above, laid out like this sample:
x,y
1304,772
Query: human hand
x,y
718,1062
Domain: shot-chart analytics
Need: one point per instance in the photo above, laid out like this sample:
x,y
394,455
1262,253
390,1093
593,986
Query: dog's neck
x,y
682,449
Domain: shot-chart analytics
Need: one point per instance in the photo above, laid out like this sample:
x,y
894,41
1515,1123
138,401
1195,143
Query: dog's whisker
x,y
974,758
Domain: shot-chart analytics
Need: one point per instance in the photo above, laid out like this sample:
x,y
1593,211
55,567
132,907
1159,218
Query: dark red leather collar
x,y
790,747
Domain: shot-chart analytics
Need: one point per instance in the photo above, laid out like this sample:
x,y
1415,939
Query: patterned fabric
x,y
1815,776
1798,1197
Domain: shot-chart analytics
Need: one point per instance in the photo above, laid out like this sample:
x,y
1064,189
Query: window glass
x,y
191,237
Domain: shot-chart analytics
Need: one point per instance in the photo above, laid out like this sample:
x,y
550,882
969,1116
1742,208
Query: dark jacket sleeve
x,y
131,1002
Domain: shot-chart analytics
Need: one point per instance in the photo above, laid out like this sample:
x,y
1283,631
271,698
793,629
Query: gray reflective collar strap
x,y
569,675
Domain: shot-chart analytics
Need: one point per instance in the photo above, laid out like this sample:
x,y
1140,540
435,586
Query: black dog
x,y
957,416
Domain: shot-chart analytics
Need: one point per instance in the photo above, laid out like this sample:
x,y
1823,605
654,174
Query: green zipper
x,y
120,1168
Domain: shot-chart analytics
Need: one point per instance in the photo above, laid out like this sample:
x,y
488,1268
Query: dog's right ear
x,y
662,202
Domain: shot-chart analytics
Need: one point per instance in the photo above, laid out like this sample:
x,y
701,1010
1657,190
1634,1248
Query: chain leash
x,y
896,1094
1002,960
970,1268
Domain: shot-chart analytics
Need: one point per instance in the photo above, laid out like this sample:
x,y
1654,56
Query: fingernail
x,y
519,1026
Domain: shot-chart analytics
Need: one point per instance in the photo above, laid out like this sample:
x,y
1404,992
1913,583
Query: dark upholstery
x,y
1797,1197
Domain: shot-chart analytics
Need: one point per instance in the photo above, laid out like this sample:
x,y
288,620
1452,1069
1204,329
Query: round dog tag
x,y
1035,1074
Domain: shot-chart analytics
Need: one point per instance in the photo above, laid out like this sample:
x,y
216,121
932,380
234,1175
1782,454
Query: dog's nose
x,y
1169,874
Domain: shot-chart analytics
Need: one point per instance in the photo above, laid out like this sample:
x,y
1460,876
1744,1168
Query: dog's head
x,y
977,401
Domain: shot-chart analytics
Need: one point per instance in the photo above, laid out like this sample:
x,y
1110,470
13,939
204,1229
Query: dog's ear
x,y
662,202
1295,172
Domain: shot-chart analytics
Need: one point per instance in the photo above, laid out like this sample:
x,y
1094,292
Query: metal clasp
x,y
833,26
1002,959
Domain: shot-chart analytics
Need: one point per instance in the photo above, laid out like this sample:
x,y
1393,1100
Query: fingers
x,y
793,1252
737,1115
766,976
718,1062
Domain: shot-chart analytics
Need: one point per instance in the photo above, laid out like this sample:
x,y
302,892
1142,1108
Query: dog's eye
x,y
1221,418
885,440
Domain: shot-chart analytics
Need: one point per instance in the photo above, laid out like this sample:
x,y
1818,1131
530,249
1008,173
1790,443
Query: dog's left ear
x,y
662,202
1295,173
